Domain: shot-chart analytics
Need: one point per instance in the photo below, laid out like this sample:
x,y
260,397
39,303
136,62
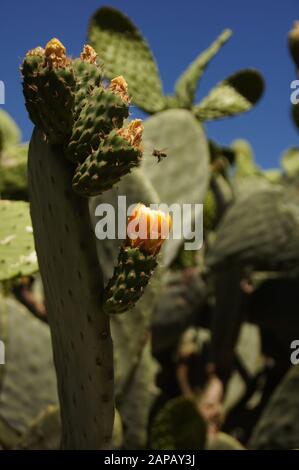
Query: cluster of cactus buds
x,y
147,229
67,100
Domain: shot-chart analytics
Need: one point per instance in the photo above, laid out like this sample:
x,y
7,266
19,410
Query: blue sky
x,y
177,31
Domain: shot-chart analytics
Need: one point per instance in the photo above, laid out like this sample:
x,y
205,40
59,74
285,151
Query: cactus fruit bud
x,y
55,54
119,86
137,258
89,55
293,40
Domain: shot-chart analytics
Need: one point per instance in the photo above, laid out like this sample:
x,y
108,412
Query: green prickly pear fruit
x,y
137,259
104,110
88,74
293,40
49,89
120,151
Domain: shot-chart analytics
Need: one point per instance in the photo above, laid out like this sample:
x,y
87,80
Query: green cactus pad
x,y
13,173
29,383
102,112
10,134
105,167
178,426
235,95
278,427
186,85
243,236
17,253
124,52
131,275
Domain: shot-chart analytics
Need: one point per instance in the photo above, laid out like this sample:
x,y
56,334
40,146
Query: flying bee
x,y
160,154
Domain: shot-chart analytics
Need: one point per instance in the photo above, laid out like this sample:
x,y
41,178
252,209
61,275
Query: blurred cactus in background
x,y
124,51
13,160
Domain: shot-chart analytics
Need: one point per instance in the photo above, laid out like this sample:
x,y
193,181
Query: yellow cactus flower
x,y
37,51
89,54
119,86
133,133
147,229
55,54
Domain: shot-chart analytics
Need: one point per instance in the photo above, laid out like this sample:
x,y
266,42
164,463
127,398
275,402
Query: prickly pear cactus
x,y
91,130
130,332
95,150
186,85
120,43
29,383
82,350
278,427
234,95
178,426
243,236
17,252
137,259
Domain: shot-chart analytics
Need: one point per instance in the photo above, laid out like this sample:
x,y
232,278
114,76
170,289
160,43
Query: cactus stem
x,y
73,285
